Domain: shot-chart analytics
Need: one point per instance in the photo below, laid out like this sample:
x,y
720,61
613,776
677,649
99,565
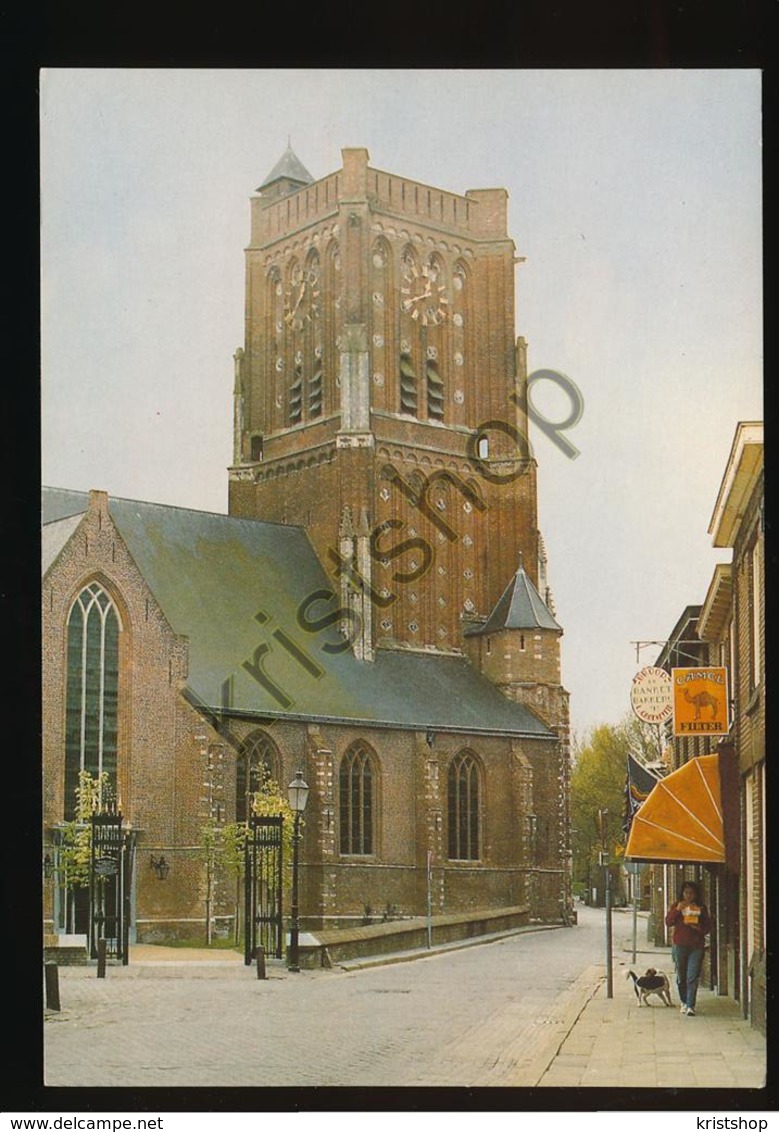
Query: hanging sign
x,y
106,866
700,698
650,695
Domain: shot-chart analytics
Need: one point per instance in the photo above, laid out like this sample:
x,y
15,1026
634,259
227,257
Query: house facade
x,y
727,631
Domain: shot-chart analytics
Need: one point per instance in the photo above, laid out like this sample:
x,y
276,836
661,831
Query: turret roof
x,y
520,607
288,166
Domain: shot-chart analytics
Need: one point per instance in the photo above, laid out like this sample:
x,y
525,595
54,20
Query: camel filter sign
x,y
700,701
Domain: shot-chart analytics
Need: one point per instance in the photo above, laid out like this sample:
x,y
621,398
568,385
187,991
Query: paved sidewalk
x,y
615,1043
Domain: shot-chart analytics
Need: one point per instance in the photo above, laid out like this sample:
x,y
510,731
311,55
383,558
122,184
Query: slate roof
x,y
212,574
54,537
520,606
290,166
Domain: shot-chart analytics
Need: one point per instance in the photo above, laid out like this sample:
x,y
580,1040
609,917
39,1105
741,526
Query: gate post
x,y
108,883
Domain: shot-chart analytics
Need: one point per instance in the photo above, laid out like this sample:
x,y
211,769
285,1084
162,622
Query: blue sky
x,y
635,197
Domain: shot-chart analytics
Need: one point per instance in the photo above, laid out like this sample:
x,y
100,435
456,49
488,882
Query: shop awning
x,y
681,820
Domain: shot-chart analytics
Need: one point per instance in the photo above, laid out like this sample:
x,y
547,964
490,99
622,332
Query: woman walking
x,y
690,921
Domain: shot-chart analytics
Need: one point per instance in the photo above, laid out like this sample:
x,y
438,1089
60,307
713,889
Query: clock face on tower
x,y
301,302
423,294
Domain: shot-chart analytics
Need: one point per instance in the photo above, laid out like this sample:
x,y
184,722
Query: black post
x,y
52,974
101,950
261,963
602,822
609,961
294,926
248,897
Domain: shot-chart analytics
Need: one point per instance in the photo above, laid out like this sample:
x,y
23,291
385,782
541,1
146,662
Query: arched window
x,y
357,801
258,764
91,698
464,791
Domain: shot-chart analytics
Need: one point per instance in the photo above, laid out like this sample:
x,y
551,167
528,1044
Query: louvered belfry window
x,y
408,386
315,392
91,699
296,396
435,392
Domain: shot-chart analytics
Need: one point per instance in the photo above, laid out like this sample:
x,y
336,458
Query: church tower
x,y
380,395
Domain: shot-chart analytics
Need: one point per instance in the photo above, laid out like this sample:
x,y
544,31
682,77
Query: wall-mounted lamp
x,y
430,737
48,865
160,866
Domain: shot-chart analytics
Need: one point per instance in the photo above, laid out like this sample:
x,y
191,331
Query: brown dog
x,y
653,982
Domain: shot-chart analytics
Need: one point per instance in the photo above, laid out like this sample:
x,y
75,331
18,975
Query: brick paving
x,y
616,1044
525,1010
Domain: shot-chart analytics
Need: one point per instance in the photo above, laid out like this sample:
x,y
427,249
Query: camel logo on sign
x,y
700,701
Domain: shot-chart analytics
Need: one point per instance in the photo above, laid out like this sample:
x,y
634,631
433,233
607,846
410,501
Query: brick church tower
x,y
380,397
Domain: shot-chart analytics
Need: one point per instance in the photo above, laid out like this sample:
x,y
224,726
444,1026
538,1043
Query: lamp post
x,y
297,793
603,829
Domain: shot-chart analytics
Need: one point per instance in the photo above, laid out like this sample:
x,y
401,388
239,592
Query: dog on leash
x,y
652,982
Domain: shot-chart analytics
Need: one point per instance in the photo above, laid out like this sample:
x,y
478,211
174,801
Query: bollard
x,y
261,963
101,959
52,974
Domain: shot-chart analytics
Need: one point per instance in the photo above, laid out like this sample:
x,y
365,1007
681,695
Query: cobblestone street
x,y
492,1014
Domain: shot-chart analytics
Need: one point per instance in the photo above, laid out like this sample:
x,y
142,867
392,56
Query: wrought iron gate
x,y
110,876
263,874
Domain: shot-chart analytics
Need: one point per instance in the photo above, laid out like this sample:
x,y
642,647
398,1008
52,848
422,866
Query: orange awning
x,y
681,820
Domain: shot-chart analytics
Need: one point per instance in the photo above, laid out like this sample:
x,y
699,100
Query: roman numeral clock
x,y
424,297
301,304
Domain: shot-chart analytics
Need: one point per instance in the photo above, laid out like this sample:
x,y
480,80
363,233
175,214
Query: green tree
x,y
598,782
224,845
92,794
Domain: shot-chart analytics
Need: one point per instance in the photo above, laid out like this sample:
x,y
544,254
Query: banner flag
x,y
639,781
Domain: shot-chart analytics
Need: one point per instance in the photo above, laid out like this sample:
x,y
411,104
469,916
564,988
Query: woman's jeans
x,y
688,962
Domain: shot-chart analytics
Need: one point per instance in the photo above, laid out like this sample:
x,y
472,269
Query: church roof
x,y
288,166
54,537
520,606
242,591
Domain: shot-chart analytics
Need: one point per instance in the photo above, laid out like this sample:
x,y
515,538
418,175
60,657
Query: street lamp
x,y
297,793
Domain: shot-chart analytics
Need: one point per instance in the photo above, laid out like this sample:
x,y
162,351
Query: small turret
x,y
518,649
287,176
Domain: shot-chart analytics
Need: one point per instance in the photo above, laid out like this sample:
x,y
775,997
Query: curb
x,y
580,993
439,949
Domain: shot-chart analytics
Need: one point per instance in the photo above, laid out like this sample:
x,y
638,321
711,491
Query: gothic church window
x,y
464,790
257,767
424,321
303,325
91,699
357,801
